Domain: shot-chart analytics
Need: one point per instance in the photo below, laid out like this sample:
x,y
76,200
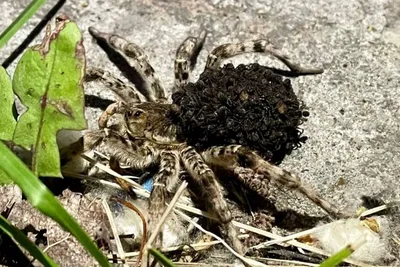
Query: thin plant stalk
x,y
17,24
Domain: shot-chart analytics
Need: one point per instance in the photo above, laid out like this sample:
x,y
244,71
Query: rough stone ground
x,y
354,123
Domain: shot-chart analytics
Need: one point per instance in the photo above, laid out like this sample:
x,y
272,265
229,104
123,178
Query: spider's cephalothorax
x,y
154,132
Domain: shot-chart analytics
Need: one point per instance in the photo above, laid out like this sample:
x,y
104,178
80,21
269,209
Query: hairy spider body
x,y
152,132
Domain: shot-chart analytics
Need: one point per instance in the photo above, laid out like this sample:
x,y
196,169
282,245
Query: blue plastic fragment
x,y
148,184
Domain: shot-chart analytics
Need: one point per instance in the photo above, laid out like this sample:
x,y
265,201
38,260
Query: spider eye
x,y
133,113
137,113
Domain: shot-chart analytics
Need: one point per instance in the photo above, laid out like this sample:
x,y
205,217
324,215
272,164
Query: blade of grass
x,y
24,241
161,258
44,201
20,21
337,258
340,256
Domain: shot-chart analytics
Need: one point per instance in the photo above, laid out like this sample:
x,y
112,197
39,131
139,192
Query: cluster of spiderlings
x,y
248,105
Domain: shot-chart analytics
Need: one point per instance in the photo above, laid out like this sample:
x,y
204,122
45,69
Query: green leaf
x,y
24,241
20,21
43,200
7,122
48,80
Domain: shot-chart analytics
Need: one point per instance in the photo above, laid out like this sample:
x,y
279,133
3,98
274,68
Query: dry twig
x,y
110,217
157,229
250,262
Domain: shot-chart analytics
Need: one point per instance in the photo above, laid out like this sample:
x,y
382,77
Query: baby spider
x,y
154,132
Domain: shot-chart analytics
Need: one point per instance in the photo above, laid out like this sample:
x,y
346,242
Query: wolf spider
x,y
147,135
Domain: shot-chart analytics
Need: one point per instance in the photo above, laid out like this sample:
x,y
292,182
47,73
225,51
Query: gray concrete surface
x,y
354,124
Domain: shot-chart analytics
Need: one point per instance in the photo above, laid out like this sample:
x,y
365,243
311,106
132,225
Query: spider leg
x,y
137,155
255,181
154,90
233,156
127,93
260,46
186,57
165,182
91,139
209,190
205,181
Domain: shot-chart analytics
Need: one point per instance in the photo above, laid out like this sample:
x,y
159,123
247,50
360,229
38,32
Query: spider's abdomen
x,y
248,105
